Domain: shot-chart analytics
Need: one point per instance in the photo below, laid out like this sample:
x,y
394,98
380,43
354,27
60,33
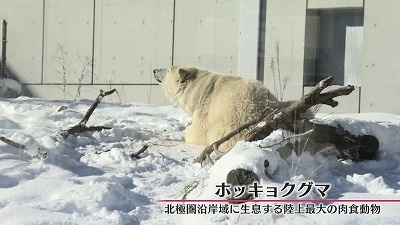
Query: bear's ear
x,y
185,74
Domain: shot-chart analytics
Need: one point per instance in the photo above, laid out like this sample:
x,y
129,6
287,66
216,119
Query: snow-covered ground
x,y
91,179
9,88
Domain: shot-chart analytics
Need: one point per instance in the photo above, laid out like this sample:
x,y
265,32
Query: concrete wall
x,y
206,34
381,62
248,43
70,49
284,48
334,4
332,40
330,49
24,38
294,37
366,51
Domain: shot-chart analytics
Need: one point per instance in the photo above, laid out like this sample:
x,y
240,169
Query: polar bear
x,y
219,103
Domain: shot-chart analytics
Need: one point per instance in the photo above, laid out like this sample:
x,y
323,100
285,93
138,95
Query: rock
x,y
240,178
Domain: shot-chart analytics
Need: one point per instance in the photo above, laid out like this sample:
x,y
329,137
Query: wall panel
x,y
132,38
206,34
24,38
381,57
68,35
285,42
143,93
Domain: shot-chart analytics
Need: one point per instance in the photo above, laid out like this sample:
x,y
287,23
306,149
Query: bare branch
x,y
81,126
214,146
286,118
287,138
136,154
189,188
12,143
94,105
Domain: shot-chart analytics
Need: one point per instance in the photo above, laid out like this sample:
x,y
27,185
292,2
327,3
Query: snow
x,y
9,87
90,178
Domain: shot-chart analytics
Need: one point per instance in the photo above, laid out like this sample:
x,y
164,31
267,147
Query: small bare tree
x,y
62,59
280,83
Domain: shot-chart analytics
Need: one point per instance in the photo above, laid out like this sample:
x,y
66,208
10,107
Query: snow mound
x,y
90,178
385,127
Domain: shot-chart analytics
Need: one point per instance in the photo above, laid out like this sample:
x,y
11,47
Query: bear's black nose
x,y
154,71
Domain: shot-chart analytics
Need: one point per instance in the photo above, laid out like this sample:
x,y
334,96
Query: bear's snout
x,y
159,74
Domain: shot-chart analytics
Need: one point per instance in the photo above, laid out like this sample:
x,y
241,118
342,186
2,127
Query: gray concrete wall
x,y
381,62
70,49
333,46
356,41
334,4
284,48
206,34
24,38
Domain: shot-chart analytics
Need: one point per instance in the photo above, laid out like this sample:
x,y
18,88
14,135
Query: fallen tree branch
x,y
309,132
12,143
101,152
39,155
214,147
96,102
136,154
189,188
81,126
286,118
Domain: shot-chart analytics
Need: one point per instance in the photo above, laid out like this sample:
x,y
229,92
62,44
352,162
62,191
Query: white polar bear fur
x,y
219,103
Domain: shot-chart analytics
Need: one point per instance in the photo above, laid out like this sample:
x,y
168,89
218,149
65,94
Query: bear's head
x,y
175,79
178,74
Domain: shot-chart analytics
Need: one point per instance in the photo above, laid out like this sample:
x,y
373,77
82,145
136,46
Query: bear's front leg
x,y
218,130
196,132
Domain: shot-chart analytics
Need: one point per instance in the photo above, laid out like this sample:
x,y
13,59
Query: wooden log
x,y
288,118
